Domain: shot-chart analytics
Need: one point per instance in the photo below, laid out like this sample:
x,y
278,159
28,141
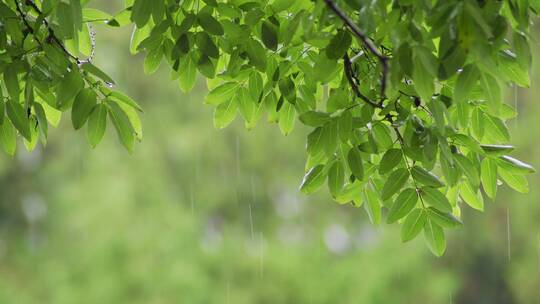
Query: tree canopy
x,y
404,97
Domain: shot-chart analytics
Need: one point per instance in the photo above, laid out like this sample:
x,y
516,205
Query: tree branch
x,y
350,77
23,17
370,46
51,31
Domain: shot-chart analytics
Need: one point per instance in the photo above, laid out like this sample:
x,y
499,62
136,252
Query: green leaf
x,y
97,123
522,49
425,177
222,93
478,123
8,137
132,116
514,165
468,142
403,204
336,174
206,45
42,121
515,181
381,133
92,69
470,170
372,205
413,224
434,236
329,138
287,116
246,105
351,192
495,129
152,61
315,142
345,126
488,175
11,82
395,181
187,71
92,14
256,54
313,179
210,24
314,118
390,160
471,196
436,199
423,79
31,144
269,33
443,219
492,91
181,47
339,45
19,118
287,89
68,88
465,83
354,160
122,98
122,125
225,113
141,11
206,66
82,106
512,71
497,150
65,20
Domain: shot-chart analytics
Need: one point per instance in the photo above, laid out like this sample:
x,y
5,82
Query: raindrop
x,y
508,240
238,156
261,254
539,250
516,105
192,198
228,292
251,221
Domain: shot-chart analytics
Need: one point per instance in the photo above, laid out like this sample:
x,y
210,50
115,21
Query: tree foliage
x,y
404,97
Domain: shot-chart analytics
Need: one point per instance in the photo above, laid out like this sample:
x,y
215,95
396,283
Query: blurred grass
x,y
199,215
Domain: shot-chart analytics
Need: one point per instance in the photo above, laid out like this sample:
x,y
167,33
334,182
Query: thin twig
x,y
401,142
23,16
365,40
52,35
349,74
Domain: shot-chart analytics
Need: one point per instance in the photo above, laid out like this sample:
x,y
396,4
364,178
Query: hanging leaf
x,y
403,204
82,106
395,181
413,224
97,123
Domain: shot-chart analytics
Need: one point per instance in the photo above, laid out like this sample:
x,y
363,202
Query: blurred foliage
x,y
198,215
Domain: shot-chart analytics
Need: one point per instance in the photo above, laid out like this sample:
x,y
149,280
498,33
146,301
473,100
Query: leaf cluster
x,y
404,97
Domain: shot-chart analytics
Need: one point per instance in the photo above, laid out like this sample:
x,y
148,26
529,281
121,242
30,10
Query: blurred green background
x,y
199,215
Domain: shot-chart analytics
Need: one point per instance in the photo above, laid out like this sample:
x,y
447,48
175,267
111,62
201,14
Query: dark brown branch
x,y
354,85
23,17
52,35
365,41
